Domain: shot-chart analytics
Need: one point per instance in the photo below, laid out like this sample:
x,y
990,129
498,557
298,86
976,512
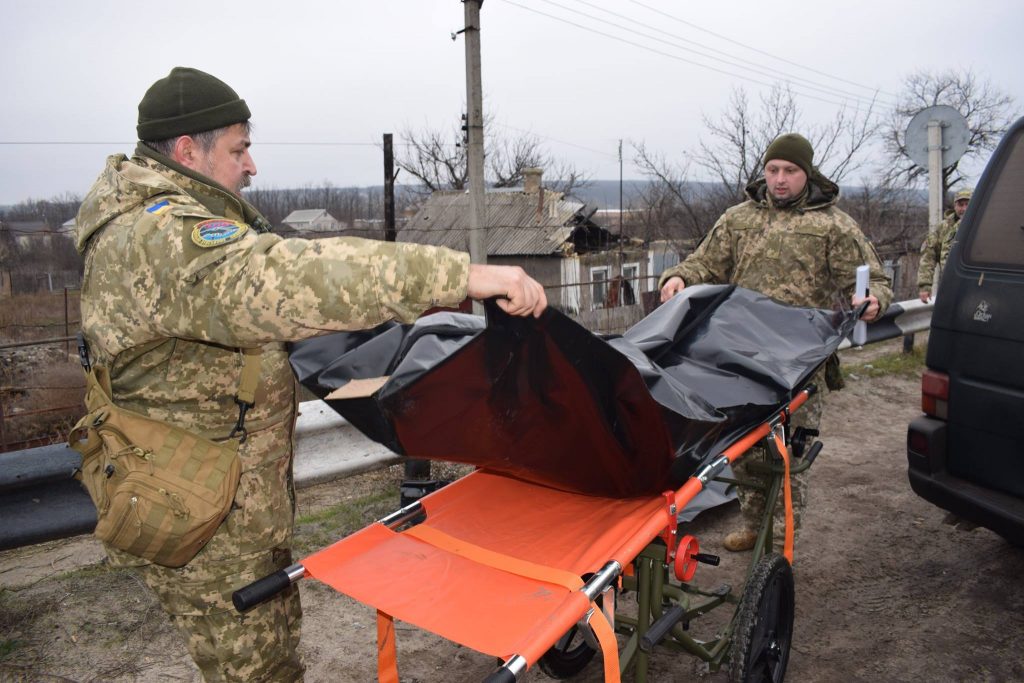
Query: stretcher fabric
x,y
508,529
547,401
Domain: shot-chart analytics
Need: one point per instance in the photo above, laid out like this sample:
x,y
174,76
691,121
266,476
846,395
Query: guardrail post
x,y
908,343
3,431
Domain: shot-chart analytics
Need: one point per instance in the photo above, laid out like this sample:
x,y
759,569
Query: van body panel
x,y
976,468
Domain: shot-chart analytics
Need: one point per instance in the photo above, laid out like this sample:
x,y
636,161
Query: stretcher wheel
x,y
571,654
764,627
567,657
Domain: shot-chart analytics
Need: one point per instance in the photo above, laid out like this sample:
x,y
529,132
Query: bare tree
x,y
732,156
741,134
989,112
438,160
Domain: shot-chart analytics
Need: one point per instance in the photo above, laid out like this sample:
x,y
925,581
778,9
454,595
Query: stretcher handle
x,y
661,627
812,453
509,672
261,590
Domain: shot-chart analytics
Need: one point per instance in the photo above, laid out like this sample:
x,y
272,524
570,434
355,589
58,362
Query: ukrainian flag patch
x,y
159,207
217,231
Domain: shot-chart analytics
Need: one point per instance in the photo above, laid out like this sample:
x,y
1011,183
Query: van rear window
x,y
998,236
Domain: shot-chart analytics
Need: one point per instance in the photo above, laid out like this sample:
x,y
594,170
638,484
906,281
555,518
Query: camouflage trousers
x,y
254,540
752,501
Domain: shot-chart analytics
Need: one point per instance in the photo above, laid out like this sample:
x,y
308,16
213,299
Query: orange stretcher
x,y
527,573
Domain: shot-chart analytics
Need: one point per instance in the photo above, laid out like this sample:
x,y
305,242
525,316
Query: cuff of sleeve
x,y
451,284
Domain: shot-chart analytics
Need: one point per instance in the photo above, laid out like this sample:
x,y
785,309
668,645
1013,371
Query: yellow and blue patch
x,y
217,231
159,207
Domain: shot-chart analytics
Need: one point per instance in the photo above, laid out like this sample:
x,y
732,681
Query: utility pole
x,y
475,135
389,190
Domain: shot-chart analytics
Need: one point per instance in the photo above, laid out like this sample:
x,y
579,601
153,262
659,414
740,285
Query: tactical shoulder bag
x,y
160,490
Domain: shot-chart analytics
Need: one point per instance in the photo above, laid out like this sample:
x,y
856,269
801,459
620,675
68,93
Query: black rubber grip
x,y
661,627
260,590
813,452
708,558
502,675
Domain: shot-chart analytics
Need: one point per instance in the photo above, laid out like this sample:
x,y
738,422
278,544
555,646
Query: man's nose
x,y
250,165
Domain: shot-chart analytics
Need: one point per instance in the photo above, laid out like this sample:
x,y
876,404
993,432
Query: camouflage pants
x,y
253,541
752,501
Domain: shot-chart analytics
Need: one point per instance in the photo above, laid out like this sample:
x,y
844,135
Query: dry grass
x,y
40,315
33,382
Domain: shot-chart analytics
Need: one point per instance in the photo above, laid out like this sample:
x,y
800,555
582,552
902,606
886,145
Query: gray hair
x,y
206,139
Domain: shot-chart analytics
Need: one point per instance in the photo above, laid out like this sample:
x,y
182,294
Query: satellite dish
x,y
955,135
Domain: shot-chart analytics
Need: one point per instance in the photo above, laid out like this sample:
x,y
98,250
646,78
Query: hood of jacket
x,y
820,193
125,184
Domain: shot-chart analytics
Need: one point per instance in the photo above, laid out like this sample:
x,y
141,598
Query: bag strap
x,y
246,395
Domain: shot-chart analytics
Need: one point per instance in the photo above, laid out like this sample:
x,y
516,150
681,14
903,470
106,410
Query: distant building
x,y
305,221
583,266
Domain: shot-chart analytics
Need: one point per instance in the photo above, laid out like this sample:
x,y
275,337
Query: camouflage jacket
x,y
168,316
935,250
804,255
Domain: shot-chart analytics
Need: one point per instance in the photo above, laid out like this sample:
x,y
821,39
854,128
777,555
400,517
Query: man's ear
x,y
186,152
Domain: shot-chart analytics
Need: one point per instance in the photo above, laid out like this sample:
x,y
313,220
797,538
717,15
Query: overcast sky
x,y
324,80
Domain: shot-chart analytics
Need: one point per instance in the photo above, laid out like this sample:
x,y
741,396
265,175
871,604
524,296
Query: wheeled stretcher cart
x,y
587,449
530,574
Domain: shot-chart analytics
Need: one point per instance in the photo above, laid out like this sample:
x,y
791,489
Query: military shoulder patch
x,y
159,207
217,231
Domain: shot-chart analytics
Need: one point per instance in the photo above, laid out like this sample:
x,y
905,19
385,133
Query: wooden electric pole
x,y
475,138
389,190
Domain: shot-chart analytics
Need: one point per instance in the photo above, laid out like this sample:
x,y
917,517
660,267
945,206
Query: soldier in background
x,y
936,246
181,273
789,242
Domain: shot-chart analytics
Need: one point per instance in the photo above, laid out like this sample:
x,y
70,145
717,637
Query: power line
x,y
744,63
561,142
761,52
667,54
258,142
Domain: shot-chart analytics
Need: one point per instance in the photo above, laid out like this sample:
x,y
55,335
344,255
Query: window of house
x,y
630,283
599,286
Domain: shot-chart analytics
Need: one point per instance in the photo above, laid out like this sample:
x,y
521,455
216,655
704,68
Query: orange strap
x,y
489,558
787,547
609,646
387,656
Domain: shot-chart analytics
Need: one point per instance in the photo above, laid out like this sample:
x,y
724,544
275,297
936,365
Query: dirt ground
x,y
885,590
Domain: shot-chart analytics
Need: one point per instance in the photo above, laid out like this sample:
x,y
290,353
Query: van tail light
x,y
935,394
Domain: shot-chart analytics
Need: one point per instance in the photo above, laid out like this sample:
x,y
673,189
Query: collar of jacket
x,y
208,192
820,193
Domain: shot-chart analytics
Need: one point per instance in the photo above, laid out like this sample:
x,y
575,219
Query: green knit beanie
x,y
793,148
188,101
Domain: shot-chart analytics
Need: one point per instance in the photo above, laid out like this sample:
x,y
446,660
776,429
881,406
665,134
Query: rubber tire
x,y
570,659
764,627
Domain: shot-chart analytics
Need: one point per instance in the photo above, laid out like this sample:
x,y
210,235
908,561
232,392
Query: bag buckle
x,y
239,430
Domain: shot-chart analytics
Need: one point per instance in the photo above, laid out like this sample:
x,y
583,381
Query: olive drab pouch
x,y
833,374
160,491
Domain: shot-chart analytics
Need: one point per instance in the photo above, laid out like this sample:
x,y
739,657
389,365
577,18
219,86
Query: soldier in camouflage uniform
x,y
936,246
181,273
790,242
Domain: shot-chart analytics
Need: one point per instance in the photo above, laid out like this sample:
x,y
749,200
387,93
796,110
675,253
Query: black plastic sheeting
x,y
547,401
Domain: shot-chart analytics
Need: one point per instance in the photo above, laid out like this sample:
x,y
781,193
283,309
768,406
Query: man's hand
x,y
925,294
517,292
672,286
873,308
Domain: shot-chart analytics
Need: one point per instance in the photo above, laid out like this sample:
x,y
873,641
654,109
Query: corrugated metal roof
x,y
514,225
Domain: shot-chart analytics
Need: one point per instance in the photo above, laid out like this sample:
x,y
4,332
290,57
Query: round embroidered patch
x,y
217,231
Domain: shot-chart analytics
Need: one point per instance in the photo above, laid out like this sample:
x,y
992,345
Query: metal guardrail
x,y
901,318
40,501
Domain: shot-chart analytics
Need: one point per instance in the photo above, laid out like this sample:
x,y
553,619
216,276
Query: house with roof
x,y
305,222
583,267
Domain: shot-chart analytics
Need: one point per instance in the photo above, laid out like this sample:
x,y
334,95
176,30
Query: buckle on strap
x,y
239,430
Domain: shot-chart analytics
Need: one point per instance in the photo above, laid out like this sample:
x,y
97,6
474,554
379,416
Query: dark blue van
x,y
966,453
